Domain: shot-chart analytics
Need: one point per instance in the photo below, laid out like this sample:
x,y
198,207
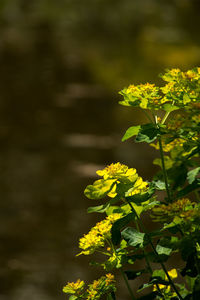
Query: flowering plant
x,y
171,199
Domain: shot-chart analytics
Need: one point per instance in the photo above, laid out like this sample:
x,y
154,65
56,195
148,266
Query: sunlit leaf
x,y
131,131
133,237
191,175
163,250
169,107
99,189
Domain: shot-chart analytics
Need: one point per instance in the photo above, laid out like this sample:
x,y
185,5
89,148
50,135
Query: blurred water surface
x,y
62,63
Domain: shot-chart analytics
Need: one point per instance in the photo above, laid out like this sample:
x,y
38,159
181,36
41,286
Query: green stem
x,y
148,263
165,117
164,169
127,284
156,253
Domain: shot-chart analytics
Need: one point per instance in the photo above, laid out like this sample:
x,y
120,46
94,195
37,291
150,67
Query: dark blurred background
x,y
62,64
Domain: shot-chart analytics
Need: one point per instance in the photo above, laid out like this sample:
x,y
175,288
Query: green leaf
x,y
118,225
144,286
99,189
159,273
163,250
148,133
133,237
169,107
131,131
72,297
191,175
159,185
167,160
176,221
139,198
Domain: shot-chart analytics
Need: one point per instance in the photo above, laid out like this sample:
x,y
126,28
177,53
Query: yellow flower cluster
x,y
182,88
97,236
143,95
74,287
95,291
101,286
182,208
117,171
123,174
167,147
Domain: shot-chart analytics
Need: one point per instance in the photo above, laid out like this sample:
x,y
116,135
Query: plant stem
x,y
165,117
164,169
127,284
156,253
148,264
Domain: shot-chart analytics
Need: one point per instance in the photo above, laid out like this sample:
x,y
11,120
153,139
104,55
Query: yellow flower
x,y
140,186
109,279
123,174
117,171
100,287
172,273
74,287
182,208
96,237
169,146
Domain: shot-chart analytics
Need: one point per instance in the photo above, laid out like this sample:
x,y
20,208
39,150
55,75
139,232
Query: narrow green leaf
x,y
100,208
176,221
133,237
131,131
191,175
